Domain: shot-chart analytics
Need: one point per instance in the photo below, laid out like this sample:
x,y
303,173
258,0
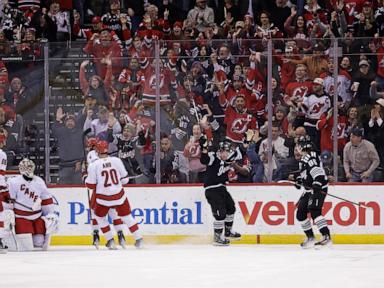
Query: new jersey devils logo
x,y
300,92
152,81
239,125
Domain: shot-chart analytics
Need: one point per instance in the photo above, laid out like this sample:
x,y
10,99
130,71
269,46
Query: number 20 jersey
x,y
105,176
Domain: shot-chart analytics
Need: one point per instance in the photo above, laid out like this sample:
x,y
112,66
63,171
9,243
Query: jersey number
x,y
110,176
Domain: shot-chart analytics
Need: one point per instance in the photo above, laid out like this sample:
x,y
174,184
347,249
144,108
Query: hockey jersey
x,y
166,79
343,85
312,171
314,106
238,123
32,199
217,170
106,176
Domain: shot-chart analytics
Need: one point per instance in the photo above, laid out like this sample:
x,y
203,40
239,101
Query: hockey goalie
x,y
33,210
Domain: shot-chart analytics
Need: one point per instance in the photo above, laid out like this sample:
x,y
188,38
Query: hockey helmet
x,y
91,142
27,167
102,147
225,146
304,143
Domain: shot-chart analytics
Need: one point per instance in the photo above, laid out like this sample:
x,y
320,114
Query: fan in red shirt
x,y
325,125
238,120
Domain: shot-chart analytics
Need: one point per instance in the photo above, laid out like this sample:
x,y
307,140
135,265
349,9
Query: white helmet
x,y
27,167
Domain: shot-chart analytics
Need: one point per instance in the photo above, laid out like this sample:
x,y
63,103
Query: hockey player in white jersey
x,y
33,205
4,195
92,156
106,177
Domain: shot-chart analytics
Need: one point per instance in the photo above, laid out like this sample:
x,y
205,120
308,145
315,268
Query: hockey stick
x,y
11,227
33,208
331,195
85,133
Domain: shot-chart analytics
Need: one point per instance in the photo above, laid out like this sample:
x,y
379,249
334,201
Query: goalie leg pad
x,y
38,240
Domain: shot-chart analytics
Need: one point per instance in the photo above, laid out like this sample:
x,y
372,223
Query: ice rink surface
x,y
182,266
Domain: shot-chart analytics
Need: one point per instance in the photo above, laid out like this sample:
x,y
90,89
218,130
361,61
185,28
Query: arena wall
x,y
265,214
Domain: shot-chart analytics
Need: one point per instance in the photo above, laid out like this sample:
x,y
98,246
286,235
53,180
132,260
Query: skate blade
x,y
220,244
234,238
123,245
3,251
325,246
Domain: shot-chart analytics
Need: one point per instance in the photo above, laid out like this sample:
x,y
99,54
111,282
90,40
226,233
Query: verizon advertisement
x,y
261,210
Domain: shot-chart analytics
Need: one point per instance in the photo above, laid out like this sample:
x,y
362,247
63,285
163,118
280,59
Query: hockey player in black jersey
x,y
216,177
314,180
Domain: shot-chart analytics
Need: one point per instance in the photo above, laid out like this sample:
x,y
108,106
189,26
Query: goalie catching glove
x,y
51,223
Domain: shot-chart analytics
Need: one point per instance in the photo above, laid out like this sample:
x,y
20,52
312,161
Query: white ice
x,y
196,266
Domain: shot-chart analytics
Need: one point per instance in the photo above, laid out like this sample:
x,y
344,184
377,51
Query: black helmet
x,y
305,143
225,146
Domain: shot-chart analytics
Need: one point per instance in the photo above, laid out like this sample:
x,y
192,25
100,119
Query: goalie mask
x,y
27,167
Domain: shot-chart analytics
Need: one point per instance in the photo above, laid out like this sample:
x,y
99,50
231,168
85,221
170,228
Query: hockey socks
x,y
321,224
218,238
228,228
307,228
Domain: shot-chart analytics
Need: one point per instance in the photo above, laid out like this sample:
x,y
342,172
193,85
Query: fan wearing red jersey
x,y
106,177
238,120
33,205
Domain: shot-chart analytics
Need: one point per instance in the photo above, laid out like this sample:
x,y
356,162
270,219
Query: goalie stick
x,y
331,195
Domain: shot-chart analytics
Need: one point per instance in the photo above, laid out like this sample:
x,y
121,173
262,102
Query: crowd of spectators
x,y
212,79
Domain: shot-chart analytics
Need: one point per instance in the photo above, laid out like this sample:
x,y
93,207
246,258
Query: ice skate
x,y
139,243
232,235
3,248
121,239
220,240
96,239
308,243
111,244
325,241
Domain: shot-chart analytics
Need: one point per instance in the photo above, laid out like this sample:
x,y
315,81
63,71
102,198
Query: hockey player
x,y
3,191
92,156
313,178
106,177
33,205
222,205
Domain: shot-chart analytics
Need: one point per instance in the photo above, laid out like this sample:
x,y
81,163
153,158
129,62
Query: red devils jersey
x,y
166,79
238,124
326,129
297,90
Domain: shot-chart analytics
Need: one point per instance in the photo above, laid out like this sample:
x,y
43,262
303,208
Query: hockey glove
x,y
203,142
298,183
248,136
51,223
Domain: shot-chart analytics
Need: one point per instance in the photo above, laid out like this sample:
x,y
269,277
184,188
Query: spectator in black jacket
x,y
71,147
